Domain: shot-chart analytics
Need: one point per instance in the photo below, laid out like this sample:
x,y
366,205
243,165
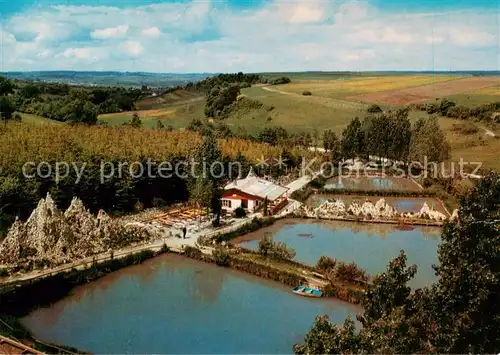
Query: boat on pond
x,y
307,291
305,235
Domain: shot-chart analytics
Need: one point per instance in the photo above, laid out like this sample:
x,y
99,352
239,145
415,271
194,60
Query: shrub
x,y
306,93
221,256
374,109
280,251
275,250
325,263
252,226
240,212
193,253
350,272
4,272
265,245
158,202
139,206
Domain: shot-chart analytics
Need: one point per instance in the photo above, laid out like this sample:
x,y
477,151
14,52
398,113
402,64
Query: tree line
x,y
389,135
65,103
448,108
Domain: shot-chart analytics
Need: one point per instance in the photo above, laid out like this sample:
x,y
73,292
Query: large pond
x,y
370,246
372,183
175,305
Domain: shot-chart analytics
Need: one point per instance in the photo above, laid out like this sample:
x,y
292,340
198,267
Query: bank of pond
x,y
175,304
171,304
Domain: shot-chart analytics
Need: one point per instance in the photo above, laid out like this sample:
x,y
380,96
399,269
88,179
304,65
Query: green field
x,y
26,117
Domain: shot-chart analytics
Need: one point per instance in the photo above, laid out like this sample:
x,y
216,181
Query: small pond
x,y
372,183
370,246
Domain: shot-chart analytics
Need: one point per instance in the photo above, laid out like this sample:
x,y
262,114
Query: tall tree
x,y
6,86
428,142
7,108
329,140
210,171
468,286
353,140
400,135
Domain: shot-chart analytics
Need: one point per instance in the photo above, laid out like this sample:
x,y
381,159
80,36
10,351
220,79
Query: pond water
x,y
175,305
372,183
370,246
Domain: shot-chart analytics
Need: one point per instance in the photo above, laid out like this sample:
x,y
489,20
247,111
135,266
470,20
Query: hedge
x,y
255,224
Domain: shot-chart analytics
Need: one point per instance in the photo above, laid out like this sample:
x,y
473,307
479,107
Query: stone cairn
x,y
380,210
53,237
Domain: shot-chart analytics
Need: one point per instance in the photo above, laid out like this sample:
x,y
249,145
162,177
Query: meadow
x,y
336,98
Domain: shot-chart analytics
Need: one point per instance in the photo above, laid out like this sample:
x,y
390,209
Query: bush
x,y
325,263
374,109
265,245
139,206
280,251
158,202
240,212
275,250
252,226
350,272
221,256
306,93
193,253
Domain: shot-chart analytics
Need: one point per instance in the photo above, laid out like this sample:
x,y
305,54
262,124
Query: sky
x,y
191,36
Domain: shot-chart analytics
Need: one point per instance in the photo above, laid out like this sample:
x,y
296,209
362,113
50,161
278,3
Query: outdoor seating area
x,y
180,217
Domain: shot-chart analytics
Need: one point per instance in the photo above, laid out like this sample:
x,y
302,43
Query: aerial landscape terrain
x,y
249,177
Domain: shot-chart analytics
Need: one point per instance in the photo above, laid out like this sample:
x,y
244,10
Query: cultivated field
x,y
424,93
349,86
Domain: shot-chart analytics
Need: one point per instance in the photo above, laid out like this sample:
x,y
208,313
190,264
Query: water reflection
x,y
370,245
185,307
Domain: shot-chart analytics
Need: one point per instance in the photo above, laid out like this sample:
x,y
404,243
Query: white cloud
x,y
111,32
133,48
151,32
6,38
198,36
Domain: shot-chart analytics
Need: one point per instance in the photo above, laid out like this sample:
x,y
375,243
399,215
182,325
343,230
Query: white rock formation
x,y
55,237
380,210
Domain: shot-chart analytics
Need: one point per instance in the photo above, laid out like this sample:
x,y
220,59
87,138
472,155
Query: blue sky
x,y
251,36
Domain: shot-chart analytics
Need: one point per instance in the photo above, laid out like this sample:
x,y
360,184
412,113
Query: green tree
x,y
400,135
6,86
210,171
330,140
468,275
428,142
353,140
7,108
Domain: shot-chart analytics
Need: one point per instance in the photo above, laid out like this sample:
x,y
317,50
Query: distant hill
x,y
108,78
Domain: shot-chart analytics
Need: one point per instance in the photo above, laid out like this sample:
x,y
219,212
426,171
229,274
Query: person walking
x,y
184,231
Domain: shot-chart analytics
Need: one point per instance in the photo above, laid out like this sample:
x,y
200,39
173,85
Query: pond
x,y
372,183
370,246
175,305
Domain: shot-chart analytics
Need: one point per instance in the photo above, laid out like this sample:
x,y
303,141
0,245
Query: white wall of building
x,y
229,204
